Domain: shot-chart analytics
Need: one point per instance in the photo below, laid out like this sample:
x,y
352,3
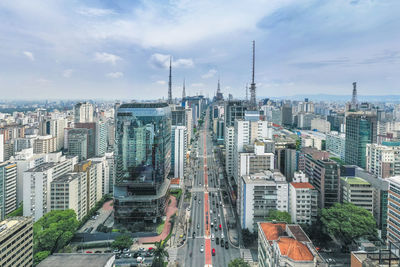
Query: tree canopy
x,y
122,241
159,254
54,230
347,222
239,262
279,216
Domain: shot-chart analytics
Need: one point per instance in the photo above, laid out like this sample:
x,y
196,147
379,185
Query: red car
x,y
213,251
88,252
220,226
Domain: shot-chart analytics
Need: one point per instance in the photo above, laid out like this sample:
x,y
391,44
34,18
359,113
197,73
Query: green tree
x,y
122,241
248,237
41,255
239,262
159,254
347,222
54,230
279,216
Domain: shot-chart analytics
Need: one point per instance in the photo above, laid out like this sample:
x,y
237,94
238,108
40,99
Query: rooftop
x,y
355,181
8,224
302,185
42,167
294,249
273,231
145,105
66,177
77,260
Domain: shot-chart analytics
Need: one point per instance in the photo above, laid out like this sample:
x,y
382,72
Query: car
x,y
213,251
216,228
125,250
195,197
220,203
141,249
97,251
211,211
217,205
194,234
215,220
201,248
198,226
200,184
220,226
127,255
212,237
184,237
217,241
89,252
188,209
212,224
107,251
199,201
139,259
213,202
117,251
136,254
222,235
226,245
222,242
148,254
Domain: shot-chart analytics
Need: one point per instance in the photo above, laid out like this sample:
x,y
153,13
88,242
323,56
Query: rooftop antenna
x,y
170,82
253,103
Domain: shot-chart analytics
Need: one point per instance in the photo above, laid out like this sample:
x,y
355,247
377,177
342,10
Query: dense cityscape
x,y
198,174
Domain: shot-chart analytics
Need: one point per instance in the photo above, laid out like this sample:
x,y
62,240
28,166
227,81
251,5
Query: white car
x,y
201,248
139,259
212,236
222,235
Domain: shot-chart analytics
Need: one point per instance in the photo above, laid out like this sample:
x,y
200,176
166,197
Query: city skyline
x,y
117,50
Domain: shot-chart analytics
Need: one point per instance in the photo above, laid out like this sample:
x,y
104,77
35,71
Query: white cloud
x,y
43,82
67,73
115,75
209,74
162,61
161,82
95,12
106,58
29,55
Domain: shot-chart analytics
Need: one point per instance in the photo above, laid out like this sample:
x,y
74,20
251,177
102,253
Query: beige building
x,y
94,182
358,191
45,144
16,246
69,192
383,160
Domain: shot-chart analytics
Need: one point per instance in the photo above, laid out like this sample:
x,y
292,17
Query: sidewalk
x,y
170,210
232,231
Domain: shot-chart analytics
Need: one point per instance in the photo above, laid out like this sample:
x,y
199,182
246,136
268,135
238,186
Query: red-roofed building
x,y
303,200
175,183
281,244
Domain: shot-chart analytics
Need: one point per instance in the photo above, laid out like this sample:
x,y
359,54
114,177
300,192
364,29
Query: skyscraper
x,y
354,102
142,161
83,112
361,130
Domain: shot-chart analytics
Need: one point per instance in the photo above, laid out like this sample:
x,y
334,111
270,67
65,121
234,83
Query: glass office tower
x,y
142,161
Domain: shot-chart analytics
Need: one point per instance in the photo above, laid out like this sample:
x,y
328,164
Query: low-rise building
x,y
281,244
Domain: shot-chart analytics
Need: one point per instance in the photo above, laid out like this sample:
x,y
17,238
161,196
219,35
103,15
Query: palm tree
x,y
159,254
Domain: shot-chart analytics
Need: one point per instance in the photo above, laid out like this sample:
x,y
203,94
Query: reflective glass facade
x,y
142,160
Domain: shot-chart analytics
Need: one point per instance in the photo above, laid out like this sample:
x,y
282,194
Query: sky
x,y
120,49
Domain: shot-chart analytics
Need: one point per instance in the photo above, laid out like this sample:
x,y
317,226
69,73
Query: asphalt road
x,y
206,187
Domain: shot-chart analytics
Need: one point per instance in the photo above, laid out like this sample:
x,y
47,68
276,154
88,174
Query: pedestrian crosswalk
x,y
246,255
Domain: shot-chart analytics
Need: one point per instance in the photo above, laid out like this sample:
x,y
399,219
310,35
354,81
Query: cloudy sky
x,y
120,49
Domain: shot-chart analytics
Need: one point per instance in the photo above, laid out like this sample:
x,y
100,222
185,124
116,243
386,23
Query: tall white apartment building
x,y
45,144
383,160
303,200
259,193
83,112
189,124
255,161
246,133
68,191
178,150
229,144
93,172
54,127
8,188
37,181
336,144
103,170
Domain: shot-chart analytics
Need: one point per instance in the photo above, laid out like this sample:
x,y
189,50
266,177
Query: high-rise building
x,y
68,191
287,118
16,246
178,151
357,191
320,125
103,166
383,160
260,193
361,130
37,184
303,200
8,188
324,175
336,144
142,161
45,144
393,215
83,112
54,127
78,143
